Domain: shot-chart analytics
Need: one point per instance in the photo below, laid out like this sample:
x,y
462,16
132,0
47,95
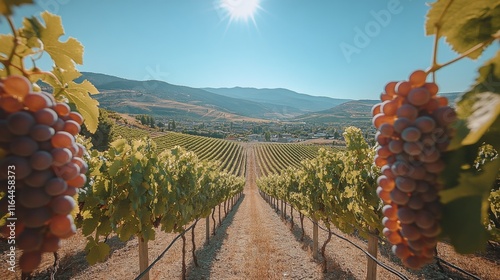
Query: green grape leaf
x,y
7,5
479,108
465,207
462,222
89,225
465,23
96,251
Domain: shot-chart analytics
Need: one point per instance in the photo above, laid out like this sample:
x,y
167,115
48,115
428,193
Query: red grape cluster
x,y
412,123
37,144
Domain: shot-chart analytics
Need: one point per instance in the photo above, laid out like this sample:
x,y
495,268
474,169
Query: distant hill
x,y
354,111
161,98
281,97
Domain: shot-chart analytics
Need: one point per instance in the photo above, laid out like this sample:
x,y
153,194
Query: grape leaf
x,y
64,54
97,252
7,5
465,23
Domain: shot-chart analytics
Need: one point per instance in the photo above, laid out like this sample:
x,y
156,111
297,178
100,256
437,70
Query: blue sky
x,y
343,49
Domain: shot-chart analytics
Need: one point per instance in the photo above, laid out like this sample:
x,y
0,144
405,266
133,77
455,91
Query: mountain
x,y
163,99
280,97
350,112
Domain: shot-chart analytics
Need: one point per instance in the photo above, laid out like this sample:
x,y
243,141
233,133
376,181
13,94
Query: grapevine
x,y
425,144
41,161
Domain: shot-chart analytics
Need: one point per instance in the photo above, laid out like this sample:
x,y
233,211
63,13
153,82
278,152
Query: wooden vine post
x,y
207,228
371,270
143,257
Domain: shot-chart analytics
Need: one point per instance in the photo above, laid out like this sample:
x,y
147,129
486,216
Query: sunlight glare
x,y
240,9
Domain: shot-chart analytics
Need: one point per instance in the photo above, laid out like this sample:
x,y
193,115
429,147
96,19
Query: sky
x,y
340,49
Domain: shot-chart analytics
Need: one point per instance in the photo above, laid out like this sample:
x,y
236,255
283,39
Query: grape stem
x,y
438,25
7,62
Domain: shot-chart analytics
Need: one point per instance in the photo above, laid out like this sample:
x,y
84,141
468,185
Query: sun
x,y
240,10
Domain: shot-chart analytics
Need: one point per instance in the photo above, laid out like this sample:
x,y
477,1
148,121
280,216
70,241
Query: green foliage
x,y
335,187
104,134
135,188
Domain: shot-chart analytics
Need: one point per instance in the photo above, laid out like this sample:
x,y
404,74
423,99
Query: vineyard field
x,y
274,158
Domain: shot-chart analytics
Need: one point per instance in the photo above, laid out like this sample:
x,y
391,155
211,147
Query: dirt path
x,y
258,244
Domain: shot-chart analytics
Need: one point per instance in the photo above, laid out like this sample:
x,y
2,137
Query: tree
x,y
267,136
104,133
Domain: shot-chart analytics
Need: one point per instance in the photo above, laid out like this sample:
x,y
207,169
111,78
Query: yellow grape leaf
x,y
64,54
7,5
465,23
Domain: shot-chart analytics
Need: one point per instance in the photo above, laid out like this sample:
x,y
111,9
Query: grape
x,y
432,88
396,146
76,117
62,109
62,139
415,202
46,116
416,245
61,156
23,168
417,78
41,160
81,163
71,127
399,197
411,134
20,123
5,134
410,232
10,104
386,130
407,111
78,181
390,88
37,217
17,86
406,215
58,125
406,185
413,148
38,178
424,219
71,191
382,140
386,171
81,150
376,109
384,151
403,88
29,261
392,225
384,196
41,132
385,183
23,146
381,118
34,197
401,251
36,101
419,96
68,171
55,186
51,244
29,240
425,124
63,204
389,107
434,167
394,237
60,225
390,211
400,124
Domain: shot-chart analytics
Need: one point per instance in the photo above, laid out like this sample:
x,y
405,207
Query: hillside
x,y
280,97
352,112
161,98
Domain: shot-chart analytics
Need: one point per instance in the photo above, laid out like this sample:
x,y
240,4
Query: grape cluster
x,y
37,143
412,122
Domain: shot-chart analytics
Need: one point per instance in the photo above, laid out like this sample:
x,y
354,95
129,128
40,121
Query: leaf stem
x,y
438,26
14,33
